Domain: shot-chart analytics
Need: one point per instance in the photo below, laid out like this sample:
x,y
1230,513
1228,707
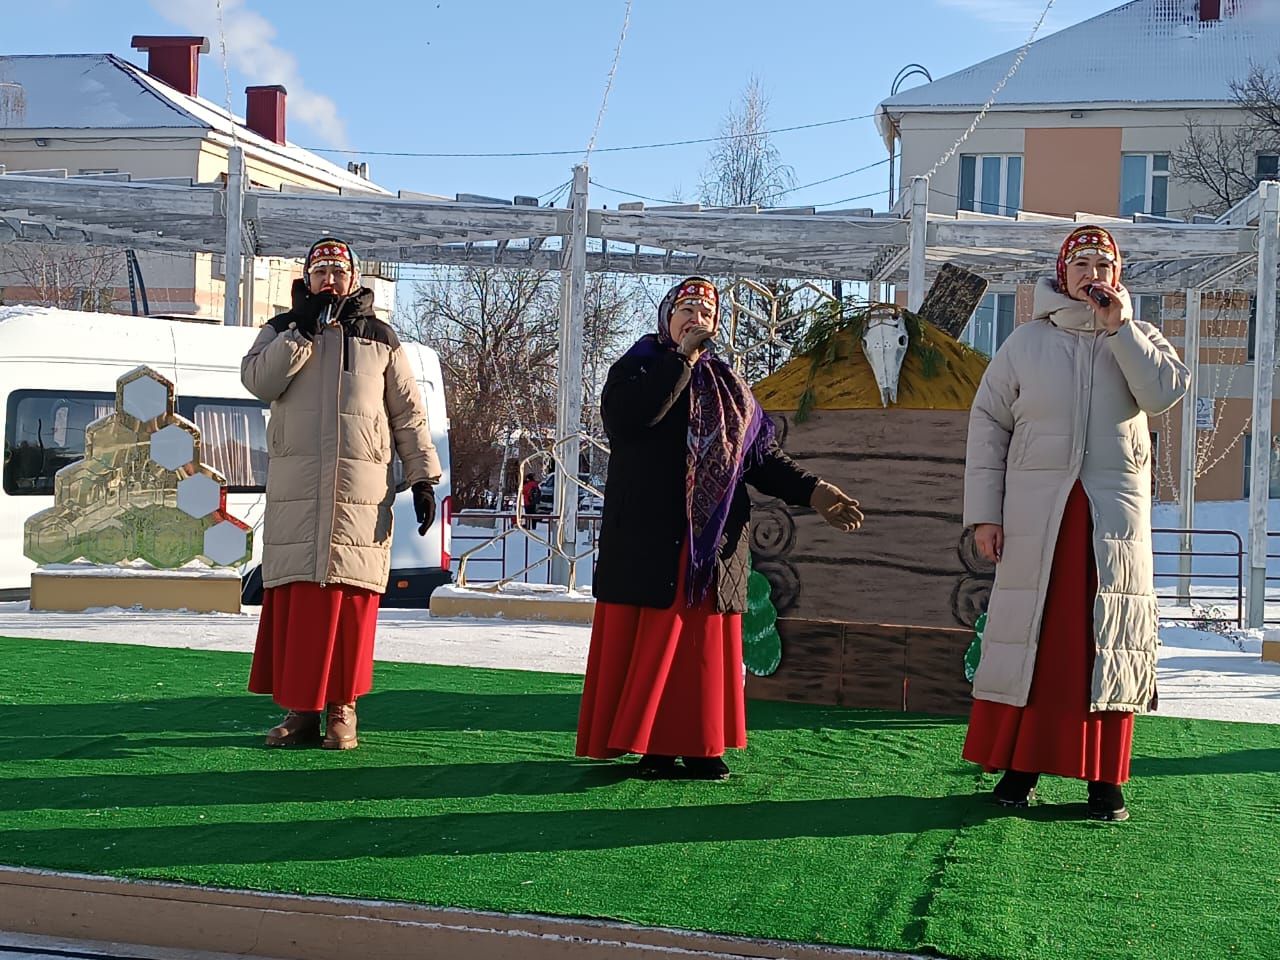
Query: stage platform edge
x,y
177,916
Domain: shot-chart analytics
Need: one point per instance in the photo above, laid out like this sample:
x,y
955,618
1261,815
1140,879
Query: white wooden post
x,y
919,242
569,410
246,304
1187,483
1263,383
232,265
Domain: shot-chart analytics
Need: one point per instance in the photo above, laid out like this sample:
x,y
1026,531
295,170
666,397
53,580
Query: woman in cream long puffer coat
x,y
1058,489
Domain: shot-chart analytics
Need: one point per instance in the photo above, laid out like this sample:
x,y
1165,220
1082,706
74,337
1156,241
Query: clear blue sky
x,y
514,75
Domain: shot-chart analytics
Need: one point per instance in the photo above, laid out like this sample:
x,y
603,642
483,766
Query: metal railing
x,y
1180,602
524,554
561,553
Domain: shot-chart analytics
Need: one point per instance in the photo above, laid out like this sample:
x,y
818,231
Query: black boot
x,y
1016,789
1106,802
706,768
654,766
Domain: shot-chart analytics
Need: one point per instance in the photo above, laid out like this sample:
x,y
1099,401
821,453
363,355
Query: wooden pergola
x,y
902,248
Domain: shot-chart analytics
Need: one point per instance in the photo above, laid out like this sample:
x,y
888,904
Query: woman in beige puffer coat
x,y
1058,489
342,394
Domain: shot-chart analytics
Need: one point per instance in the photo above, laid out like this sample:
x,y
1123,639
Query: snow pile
x,y
525,591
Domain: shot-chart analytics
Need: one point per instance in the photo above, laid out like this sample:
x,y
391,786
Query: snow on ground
x,y
1202,674
405,636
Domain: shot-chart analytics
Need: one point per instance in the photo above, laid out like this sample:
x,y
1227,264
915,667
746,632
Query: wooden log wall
x,y
869,666
911,563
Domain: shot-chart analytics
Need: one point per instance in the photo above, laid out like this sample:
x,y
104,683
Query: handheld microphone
x,y
1100,297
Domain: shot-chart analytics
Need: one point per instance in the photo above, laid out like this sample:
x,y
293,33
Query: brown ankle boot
x,y
297,729
340,727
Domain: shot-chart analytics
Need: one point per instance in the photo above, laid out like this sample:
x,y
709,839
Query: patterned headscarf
x,y
1087,240
330,252
728,434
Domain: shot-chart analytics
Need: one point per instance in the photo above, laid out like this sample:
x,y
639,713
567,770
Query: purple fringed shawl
x,y
728,434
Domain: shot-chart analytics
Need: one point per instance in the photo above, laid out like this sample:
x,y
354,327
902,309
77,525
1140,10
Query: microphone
x,y
1100,297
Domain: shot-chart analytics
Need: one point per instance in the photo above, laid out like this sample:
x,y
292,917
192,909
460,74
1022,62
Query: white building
x,y
99,115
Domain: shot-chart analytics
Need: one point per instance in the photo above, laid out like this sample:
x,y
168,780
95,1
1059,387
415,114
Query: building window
x,y
1253,324
991,183
991,323
1274,486
1144,184
44,432
1268,167
96,171
1150,309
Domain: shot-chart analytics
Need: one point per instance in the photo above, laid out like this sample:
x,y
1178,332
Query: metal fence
x,y
1214,592
1222,567
474,528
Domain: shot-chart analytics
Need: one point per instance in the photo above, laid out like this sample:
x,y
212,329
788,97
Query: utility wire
x,y
1017,62
617,55
578,150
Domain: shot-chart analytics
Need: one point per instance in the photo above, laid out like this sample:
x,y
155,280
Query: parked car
x,y
588,502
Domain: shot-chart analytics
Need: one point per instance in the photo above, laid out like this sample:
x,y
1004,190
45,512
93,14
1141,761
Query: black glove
x,y
424,505
308,308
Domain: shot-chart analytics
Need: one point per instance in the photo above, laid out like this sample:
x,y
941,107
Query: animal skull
x,y
884,341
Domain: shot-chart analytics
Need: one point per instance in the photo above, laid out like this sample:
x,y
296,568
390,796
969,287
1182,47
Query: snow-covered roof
x,y
100,91
1147,51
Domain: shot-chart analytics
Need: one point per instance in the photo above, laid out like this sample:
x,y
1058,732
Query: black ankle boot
x,y
1016,789
1106,802
706,768
654,766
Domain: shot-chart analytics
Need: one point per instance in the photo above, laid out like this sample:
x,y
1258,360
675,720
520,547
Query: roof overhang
x,y
798,244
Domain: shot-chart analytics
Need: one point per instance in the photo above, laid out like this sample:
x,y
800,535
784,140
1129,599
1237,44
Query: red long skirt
x,y
1055,733
315,645
666,682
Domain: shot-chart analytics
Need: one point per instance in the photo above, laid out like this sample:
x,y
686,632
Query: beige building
x,y
1088,125
97,115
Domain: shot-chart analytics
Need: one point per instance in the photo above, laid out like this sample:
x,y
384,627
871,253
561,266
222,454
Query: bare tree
x,y
1222,160
66,277
746,167
496,335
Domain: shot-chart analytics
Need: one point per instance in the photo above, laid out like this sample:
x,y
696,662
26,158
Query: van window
x,y
234,436
44,432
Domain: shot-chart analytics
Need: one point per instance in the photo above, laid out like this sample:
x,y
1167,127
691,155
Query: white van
x,y
58,372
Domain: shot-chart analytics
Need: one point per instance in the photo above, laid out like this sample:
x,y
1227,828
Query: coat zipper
x,y
337,443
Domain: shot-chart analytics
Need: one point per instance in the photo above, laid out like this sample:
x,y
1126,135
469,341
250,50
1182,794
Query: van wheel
x,y
251,587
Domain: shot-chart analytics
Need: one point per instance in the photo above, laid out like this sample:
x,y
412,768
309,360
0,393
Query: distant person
x,y
529,493
664,673
1058,490
342,395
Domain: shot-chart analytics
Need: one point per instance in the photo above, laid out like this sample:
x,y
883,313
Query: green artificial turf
x,y
847,827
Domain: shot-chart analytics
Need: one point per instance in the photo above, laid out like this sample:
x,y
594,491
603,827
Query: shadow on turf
x,y
103,730
463,833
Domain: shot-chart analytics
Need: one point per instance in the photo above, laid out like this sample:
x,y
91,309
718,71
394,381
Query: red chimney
x,y
264,113
1210,10
175,60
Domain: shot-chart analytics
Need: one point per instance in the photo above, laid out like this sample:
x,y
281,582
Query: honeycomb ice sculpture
x,y
140,492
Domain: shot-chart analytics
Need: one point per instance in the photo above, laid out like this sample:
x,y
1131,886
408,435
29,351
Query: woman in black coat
x,y
664,675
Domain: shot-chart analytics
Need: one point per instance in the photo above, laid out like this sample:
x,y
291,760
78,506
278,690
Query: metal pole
x,y
234,199
569,419
919,241
1187,483
246,307
1263,384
